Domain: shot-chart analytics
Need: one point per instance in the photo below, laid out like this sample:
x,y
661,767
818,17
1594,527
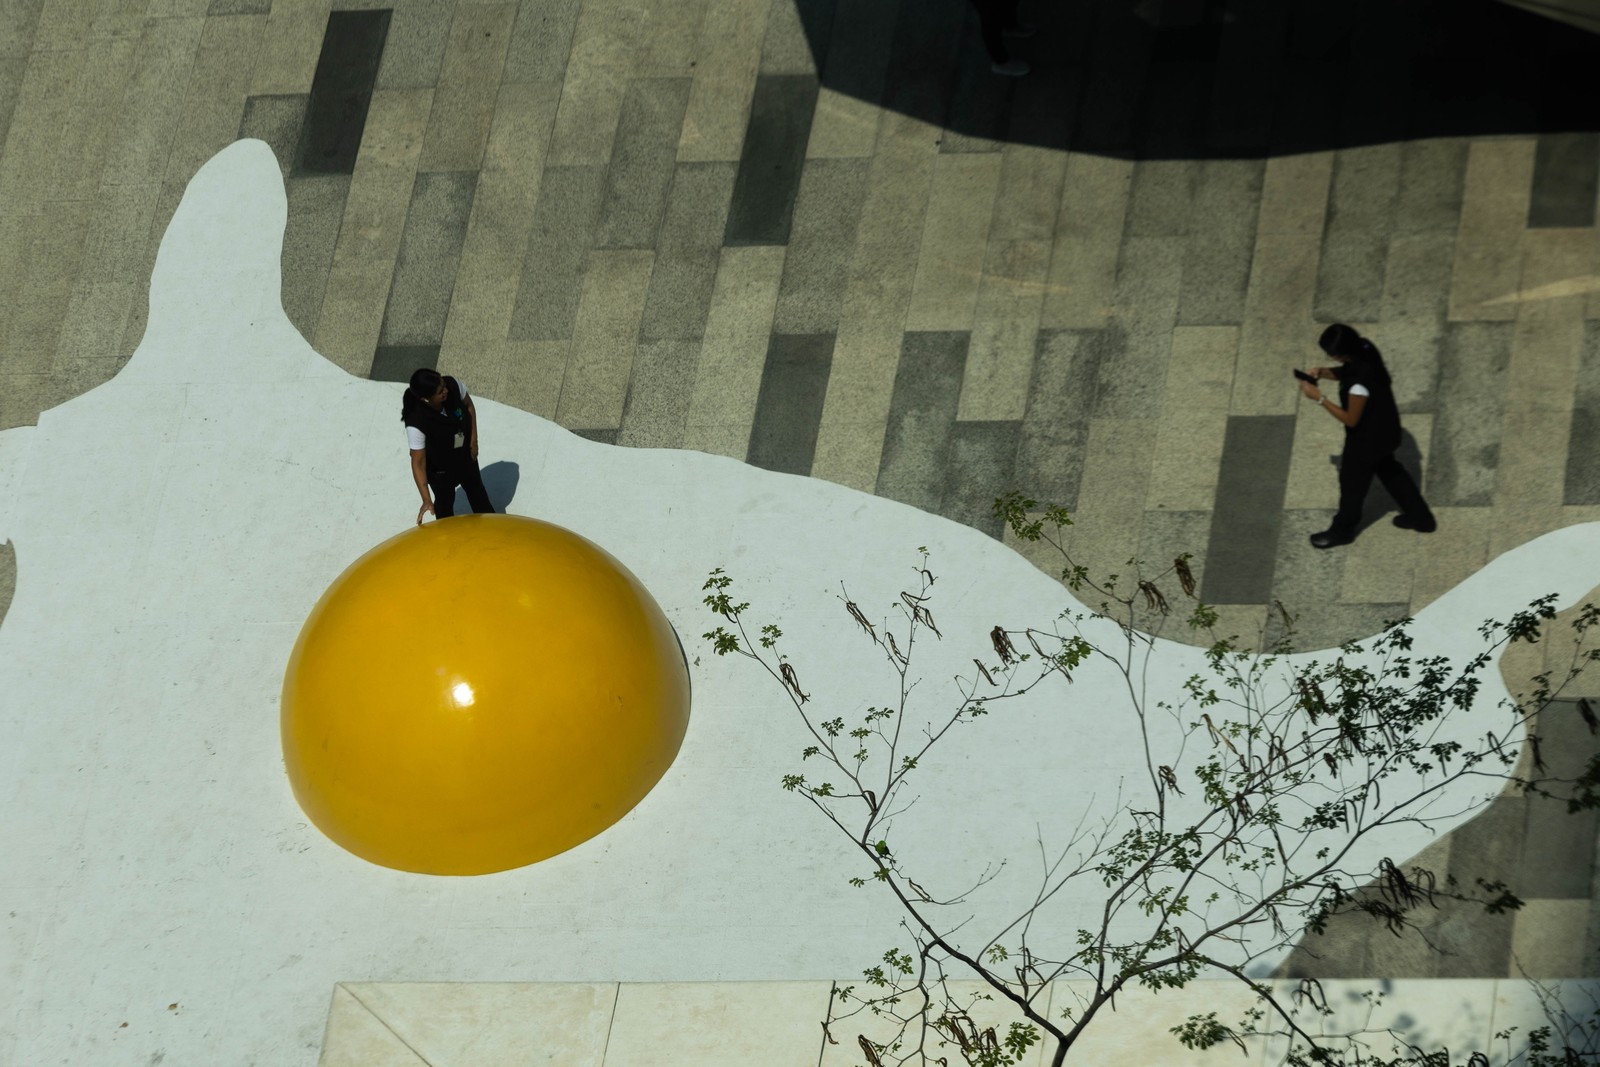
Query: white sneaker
x,y
1011,68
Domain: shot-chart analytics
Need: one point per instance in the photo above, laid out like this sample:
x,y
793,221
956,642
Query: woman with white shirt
x,y
442,432
1371,422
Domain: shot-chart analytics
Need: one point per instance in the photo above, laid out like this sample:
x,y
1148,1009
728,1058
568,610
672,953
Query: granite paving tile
x,y
1355,244
341,92
770,162
980,466
1582,481
541,39
640,174
469,80
821,245
564,222
277,121
685,272
604,339
656,412
430,252
1433,175
1242,548
1494,209
1088,240
286,62
729,54
1566,180
794,380
1055,426
1473,369
922,415
419,34
315,208
1221,242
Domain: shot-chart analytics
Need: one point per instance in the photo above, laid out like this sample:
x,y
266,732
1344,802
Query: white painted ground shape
x,y
174,527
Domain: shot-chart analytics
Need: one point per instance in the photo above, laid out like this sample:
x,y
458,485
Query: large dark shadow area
x,y
1198,79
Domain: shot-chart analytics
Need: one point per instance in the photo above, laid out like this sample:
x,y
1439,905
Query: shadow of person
x,y
500,480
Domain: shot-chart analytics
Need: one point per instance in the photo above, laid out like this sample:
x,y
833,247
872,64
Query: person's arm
x,y
1348,416
419,474
472,416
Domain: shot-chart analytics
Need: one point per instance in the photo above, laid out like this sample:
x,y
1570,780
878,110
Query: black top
x,y
1378,429
448,431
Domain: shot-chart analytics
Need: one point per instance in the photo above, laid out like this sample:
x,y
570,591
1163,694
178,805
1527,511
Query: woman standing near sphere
x,y
1371,422
442,432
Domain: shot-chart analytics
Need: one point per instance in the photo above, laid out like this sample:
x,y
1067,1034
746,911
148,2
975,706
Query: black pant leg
x,y
443,485
1355,478
472,481
1397,480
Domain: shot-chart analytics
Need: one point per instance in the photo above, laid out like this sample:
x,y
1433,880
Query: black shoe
x,y
1330,539
1406,523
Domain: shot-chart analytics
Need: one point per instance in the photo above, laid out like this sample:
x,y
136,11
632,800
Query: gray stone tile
x,y
658,394
642,162
981,466
316,206
821,243
353,45
1583,442
239,7
791,27
1433,174
685,273
922,418
1242,549
1355,243
1465,451
430,252
1558,849
277,121
1566,172
558,246
1149,279
1061,396
396,363
601,436
1583,458
541,40
18,21
12,70
1161,197
1221,243
770,163
419,32
794,382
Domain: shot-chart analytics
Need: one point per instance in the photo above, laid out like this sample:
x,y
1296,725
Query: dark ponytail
x,y
424,383
1357,352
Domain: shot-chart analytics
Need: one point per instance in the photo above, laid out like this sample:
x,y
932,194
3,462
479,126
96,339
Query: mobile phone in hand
x,y
1304,377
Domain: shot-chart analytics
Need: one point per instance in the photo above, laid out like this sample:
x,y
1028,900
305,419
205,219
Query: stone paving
x,y
656,223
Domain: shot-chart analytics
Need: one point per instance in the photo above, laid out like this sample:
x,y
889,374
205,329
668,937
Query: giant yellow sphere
x,y
480,693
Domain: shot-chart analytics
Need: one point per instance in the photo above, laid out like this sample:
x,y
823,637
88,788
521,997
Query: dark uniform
x,y
1369,447
448,456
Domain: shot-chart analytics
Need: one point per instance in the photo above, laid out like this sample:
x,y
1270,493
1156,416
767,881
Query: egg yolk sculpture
x,y
478,694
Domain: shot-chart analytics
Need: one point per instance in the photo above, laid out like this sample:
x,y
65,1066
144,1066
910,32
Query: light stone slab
x,y
494,1024
1294,195
603,339
727,59
844,127
1005,331
291,44
357,1038
605,47
1278,333
1194,419
218,84
954,238
719,1024
1088,239
469,80
531,375
1494,212
722,403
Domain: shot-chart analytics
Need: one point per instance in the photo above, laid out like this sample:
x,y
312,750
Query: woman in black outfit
x,y
442,432
1371,421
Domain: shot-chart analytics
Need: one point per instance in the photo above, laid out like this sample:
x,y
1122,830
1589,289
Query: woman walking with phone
x,y
1371,421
